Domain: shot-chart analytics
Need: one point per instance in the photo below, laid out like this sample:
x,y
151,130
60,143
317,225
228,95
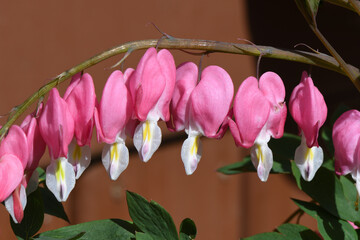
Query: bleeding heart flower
x,y
308,108
151,87
16,202
80,98
346,139
260,114
57,129
201,109
111,117
13,159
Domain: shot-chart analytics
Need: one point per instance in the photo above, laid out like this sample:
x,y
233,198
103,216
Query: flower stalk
x,y
208,46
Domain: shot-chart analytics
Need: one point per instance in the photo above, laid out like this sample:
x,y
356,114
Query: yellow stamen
x,y
309,154
60,173
146,131
195,146
77,153
259,154
114,155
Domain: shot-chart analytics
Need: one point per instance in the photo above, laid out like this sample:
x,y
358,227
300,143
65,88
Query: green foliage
x,y
328,191
187,229
329,226
309,9
101,229
42,174
151,221
283,151
33,217
287,231
151,218
51,204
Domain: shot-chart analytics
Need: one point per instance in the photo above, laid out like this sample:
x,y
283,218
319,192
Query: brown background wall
x,y
40,39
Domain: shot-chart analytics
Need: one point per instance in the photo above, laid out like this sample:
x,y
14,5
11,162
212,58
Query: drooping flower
x,y
260,114
16,202
346,139
111,117
308,108
201,109
151,87
13,159
80,98
57,129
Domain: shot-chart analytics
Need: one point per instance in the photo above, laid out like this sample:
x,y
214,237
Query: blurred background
x,y
40,39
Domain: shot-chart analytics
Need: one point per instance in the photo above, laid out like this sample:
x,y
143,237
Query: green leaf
x,y
101,229
239,167
326,136
151,218
328,191
329,226
309,9
51,205
42,174
312,6
266,236
33,217
187,229
142,236
297,232
283,151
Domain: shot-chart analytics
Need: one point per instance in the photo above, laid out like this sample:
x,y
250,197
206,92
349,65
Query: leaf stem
x,y
320,60
353,5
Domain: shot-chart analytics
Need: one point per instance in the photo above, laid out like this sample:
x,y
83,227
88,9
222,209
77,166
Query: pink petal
x,y
274,90
16,143
186,80
56,125
11,173
80,98
167,64
346,136
251,111
148,84
210,101
36,144
308,108
115,108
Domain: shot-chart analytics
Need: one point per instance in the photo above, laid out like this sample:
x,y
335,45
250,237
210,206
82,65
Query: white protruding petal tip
x,y
79,157
308,160
60,178
191,151
16,203
147,139
115,158
262,158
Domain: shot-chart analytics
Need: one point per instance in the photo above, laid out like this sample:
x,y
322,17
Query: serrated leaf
x,y
328,191
101,229
187,229
33,217
151,218
297,232
329,226
51,205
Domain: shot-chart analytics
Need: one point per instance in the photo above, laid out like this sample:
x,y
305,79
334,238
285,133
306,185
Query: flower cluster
x,y
133,102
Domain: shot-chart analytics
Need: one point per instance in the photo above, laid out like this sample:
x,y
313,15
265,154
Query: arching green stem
x,y
320,60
